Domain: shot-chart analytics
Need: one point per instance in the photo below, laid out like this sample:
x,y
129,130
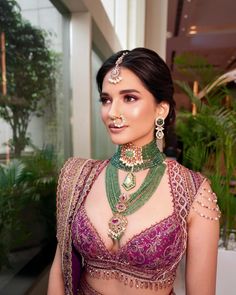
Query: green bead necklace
x,y
123,204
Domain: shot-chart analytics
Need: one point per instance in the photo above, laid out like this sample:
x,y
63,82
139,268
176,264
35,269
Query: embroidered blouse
x,y
149,259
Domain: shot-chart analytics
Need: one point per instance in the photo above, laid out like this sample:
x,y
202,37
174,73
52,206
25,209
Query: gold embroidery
x,y
71,190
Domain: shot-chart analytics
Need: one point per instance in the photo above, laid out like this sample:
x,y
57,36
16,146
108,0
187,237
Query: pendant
x,y
129,182
117,226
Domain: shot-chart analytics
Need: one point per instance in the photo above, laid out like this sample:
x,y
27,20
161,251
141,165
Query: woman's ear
x,y
162,109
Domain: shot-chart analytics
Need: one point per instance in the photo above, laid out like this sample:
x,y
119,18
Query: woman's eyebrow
x,y
128,91
104,94
124,91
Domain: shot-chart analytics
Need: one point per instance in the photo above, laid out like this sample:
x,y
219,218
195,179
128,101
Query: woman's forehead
x,y
129,80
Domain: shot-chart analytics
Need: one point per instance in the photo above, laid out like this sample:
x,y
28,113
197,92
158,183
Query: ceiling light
x,y
192,32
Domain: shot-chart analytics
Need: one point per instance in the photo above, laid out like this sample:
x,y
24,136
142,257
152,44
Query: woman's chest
x,y
98,210
156,247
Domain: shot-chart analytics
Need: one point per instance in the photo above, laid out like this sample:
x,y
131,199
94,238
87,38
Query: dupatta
x,y
75,181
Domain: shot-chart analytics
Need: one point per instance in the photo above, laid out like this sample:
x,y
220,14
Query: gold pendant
x,y
129,182
117,226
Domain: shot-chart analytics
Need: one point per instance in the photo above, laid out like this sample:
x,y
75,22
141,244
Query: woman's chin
x,y
119,141
124,138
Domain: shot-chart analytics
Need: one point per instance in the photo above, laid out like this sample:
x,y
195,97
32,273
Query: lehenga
x,y
148,260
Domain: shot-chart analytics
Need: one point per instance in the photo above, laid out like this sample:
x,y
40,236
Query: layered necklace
x,y
132,159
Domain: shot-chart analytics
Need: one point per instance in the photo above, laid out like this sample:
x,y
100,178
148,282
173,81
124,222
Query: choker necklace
x,y
132,158
123,204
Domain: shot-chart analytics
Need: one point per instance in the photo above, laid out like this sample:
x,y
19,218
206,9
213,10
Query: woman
x,y
134,216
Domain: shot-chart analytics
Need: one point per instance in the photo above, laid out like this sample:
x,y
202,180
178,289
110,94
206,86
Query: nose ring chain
x,y
119,121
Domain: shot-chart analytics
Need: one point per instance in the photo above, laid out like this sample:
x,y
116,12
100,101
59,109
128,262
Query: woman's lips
x,y
115,129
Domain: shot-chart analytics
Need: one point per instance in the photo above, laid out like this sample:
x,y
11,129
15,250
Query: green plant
x,y
209,141
27,193
30,73
13,197
42,175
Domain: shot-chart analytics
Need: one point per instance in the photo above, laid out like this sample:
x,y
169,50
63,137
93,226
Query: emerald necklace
x,y
132,159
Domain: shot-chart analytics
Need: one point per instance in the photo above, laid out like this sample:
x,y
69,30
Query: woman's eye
x,y
130,98
105,100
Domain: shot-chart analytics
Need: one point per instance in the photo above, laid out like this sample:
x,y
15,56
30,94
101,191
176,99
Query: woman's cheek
x,y
103,114
135,112
138,111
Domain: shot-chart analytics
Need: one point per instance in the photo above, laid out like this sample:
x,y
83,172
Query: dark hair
x,y
150,68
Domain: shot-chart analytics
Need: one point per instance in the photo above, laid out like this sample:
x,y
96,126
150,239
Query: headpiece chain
x,y
115,72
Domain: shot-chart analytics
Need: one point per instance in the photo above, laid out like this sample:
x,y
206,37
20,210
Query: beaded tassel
x,y
212,199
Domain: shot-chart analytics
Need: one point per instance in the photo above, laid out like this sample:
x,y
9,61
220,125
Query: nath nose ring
x,y
119,121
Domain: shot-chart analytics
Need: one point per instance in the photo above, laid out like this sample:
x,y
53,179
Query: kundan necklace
x,y
134,159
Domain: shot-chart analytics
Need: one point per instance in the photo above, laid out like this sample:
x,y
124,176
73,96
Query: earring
x,y
159,122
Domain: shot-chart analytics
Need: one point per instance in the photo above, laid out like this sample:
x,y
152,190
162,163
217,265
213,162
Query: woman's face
x,y
136,104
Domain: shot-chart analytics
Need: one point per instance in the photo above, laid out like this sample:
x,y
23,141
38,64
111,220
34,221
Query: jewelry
x,y
159,122
128,155
133,159
131,155
119,121
123,204
115,72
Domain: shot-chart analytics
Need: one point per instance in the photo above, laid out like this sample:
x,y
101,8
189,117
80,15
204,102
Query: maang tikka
x,y
115,72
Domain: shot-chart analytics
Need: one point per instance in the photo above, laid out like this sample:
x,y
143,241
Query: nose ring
x,y
119,121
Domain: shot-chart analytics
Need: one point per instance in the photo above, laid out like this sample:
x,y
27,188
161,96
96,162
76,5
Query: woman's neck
x,y
130,157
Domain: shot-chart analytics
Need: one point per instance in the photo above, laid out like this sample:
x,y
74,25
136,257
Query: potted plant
x,y
208,133
208,139
12,199
27,202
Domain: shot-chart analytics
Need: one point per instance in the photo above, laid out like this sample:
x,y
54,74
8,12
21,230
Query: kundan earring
x,y
159,122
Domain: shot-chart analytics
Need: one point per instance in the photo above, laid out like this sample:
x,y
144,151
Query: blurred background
x,y
50,51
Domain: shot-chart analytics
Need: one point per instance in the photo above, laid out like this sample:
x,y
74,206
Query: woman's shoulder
x,y
176,168
72,175
185,182
200,197
75,167
77,162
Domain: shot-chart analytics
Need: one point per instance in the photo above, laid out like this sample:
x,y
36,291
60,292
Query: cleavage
x,y
99,212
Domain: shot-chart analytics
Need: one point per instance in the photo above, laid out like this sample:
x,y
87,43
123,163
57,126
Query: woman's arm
x,y
202,247
55,283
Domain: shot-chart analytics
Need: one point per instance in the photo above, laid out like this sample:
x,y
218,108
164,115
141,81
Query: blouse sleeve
x,y
205,202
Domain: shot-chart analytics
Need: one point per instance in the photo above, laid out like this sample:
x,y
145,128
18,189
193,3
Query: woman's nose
x,y
114,110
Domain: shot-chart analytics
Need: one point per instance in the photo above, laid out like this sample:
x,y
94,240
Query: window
x,y
34,133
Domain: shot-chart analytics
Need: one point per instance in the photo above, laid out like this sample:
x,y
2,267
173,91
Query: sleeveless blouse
x,y
149,259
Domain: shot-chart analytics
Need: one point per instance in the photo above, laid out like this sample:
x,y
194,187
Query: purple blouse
x,y
150,258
